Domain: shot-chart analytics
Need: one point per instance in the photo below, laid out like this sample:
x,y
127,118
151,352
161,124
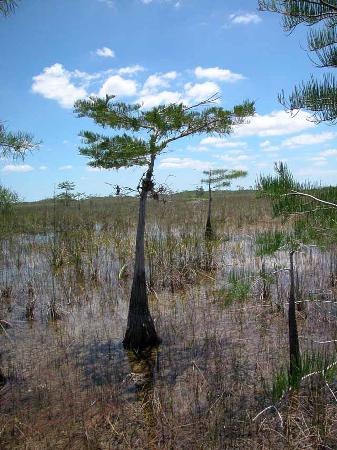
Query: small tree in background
x,y
218,179
66,194
146,134
200,191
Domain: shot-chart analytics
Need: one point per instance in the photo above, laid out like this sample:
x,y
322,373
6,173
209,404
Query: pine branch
x,y
116,115
316,96
295,12
16,144
219,178
333,8
164,124
319,39
7,6
114,152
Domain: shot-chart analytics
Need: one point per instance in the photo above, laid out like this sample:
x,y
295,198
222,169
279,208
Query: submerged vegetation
x,y
220,377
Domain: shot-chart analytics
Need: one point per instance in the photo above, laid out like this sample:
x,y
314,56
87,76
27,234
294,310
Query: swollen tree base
x,y
3,379
140,332
209,230
141,335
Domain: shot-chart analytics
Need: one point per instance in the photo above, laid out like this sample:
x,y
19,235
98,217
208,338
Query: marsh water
x,y
70,384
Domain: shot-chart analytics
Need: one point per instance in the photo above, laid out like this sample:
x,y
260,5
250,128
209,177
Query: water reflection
x,y
143,366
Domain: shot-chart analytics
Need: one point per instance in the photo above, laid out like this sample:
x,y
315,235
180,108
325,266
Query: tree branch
x,y
188,132
312,197
328,5
212,99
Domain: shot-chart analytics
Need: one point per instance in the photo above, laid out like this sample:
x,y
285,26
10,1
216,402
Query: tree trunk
x,y
140,332
209,231
294,348
2,376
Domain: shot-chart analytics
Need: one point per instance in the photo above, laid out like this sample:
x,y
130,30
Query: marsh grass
x,y
218,307
312,364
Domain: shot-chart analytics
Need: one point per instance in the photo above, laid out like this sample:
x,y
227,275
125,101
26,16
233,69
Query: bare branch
x,y
212,99
312,197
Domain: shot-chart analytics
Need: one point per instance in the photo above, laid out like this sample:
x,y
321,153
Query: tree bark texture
x,y
209,231
141,332
294,348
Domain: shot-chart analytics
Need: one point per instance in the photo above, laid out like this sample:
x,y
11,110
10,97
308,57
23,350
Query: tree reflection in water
x,y
143,365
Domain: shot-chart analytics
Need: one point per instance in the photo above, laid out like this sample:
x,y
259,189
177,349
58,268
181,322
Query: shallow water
x,y
215,361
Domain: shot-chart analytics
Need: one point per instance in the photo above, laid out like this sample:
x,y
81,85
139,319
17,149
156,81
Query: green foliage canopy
x,y
7,6
220,178
311,209
15,144
316,96
67,187
142,134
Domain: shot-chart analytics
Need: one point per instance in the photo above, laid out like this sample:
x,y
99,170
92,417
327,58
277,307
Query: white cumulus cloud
x,y
235,159
197,148
184,163
245,19
55,83
130,70
117,85
308,139
161,98
221,142
216,73
277,123
105,52
158,81
198,92
152,95
18,168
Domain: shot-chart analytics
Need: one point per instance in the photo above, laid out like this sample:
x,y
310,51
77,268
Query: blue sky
x,y
53,52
